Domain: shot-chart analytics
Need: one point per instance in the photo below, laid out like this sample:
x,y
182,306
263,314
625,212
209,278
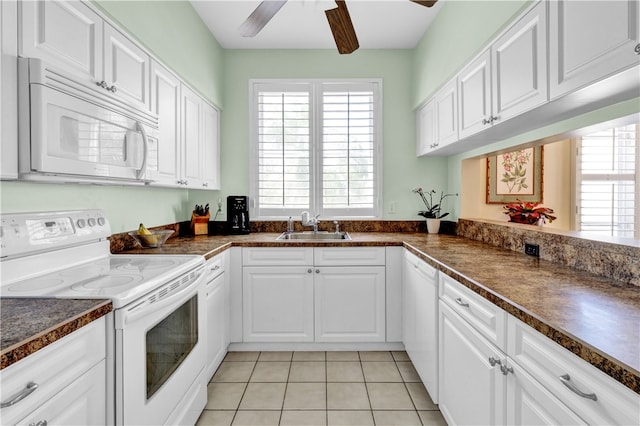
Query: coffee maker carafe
x,y
238,214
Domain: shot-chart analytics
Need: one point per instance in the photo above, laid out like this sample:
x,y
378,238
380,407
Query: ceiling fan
x,y
339,21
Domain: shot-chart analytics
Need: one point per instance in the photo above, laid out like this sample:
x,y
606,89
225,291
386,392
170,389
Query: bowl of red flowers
x,y
529,213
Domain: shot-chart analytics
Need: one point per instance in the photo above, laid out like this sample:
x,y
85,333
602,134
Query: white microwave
x,y
69,131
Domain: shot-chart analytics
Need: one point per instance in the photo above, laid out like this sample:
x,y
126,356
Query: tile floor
x,y
318,388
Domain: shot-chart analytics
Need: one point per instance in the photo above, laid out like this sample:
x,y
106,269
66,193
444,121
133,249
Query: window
x,y
608,189
315,147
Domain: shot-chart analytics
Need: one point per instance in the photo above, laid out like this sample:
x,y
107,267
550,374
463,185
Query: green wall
x,y
461,30
177,36
401,169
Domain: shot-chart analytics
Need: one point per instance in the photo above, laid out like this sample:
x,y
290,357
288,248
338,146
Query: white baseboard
x,y
317,346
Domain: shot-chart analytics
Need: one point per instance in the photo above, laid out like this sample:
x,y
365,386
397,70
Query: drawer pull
x,y
215,268
39,423
21,395
494,361
461,303
566,380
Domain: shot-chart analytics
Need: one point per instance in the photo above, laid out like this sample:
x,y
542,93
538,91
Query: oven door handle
x,y
146,306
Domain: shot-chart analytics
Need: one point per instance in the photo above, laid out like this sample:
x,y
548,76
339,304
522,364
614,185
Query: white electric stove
x,y
157,344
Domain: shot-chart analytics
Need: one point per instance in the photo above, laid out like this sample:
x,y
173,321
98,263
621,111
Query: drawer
x,y
484,316
547,362
281,256
215,267
52,368
349,256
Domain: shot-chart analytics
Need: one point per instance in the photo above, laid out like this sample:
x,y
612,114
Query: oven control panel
x,y
25,233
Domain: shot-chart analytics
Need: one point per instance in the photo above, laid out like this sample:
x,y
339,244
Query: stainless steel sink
x,y
315,236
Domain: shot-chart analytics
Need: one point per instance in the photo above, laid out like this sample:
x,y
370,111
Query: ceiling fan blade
x,y
427,3
342,28
260,16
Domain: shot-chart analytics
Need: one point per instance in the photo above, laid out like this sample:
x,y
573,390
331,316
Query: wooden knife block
x,y
200,224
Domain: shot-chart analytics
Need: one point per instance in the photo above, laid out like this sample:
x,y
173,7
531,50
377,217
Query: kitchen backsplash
x,y
617,261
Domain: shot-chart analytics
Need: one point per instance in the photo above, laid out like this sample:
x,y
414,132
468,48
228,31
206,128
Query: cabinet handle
x,y
566,380
317,271
485,121
39,423
494,361
309,271
461,303
31,386
637,49
102,84
505,370
205,184
215,268
112,89
186,182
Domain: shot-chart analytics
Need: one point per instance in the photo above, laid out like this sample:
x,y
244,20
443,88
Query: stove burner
x,y
104,283
35,284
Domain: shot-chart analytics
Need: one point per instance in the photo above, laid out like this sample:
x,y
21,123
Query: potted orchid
x,y
529,213
433,212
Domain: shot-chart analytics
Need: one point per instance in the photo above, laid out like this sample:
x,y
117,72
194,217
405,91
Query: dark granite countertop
x,y
594,317
30,324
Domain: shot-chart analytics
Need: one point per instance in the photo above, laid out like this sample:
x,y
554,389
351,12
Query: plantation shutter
x,y
284,154
348,149
607,182
315,147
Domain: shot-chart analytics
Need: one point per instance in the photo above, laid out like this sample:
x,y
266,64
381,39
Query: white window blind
x,y
316,148
607,182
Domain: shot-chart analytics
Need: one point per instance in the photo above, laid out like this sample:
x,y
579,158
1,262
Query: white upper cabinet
x,y
126,68
8,91
447,114
426,128
71,36
474,95
210,147
165,102
591,40
67,34
519,62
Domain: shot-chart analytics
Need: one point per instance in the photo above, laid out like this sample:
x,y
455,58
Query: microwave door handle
x,y
145,140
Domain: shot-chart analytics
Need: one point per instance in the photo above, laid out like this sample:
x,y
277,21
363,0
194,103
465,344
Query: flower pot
x,y
433,226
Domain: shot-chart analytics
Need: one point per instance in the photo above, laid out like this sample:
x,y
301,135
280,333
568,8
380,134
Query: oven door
x,y
160,352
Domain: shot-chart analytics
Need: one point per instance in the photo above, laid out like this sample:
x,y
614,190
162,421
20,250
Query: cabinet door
x,y
67,34
519,61
426,128
421,302
474,96
191,135
126,68
165,102
83,402
216,323
530,403
277,304
210,147
349,304
471,390
590,40
446,115
8,90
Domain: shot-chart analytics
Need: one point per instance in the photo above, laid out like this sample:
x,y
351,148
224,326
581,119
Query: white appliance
x,y
158,345
70,130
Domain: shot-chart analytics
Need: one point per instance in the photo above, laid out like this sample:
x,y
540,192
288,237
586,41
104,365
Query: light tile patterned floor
x,y
318,388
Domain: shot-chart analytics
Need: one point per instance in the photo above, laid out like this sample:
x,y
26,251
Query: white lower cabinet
x,y
299,299
471,390
8,90
216,330
420,319
349,304
277,304
68,378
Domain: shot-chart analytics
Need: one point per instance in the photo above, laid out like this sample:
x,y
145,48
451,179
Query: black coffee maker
x,y
238,214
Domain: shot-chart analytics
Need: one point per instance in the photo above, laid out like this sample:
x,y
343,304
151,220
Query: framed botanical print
x,y
515,176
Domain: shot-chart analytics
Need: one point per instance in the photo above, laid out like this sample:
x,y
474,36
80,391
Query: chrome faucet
x,y
306,221
335,222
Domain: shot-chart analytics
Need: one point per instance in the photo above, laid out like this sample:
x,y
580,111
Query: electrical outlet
x,y
392,207
532,249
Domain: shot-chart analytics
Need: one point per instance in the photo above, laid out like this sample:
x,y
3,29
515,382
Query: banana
x,y
142,230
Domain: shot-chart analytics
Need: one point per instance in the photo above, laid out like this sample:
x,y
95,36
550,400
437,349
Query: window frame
x,y
316,87
578,177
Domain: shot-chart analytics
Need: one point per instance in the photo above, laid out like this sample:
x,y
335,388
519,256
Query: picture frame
x,y
515,175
